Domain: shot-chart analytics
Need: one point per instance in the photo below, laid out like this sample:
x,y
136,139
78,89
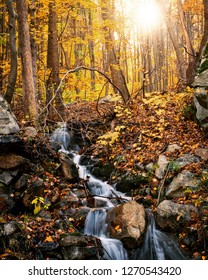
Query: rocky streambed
x,y
54,206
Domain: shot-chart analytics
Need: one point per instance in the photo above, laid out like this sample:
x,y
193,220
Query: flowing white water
x,y
96,186
61,139
113,249
157,245
95,225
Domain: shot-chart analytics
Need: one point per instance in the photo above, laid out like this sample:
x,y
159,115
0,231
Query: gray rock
x,y
149,166
201,80
44,215
79,247
186,160
73,240
21,183
172,148
202,153
81,253
162,166
201,104
8,123
126,222
180,183
79,214
172,216
6,177
10,228
68,200
9,139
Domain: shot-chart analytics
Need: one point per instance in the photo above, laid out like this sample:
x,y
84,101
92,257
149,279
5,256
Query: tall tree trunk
x,y
33,43
91,49
53,62
204,40
13,52
118,78
192,61
26,61
181,63
2,45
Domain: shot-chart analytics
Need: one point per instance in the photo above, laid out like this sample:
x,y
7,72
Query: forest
x,y
103,129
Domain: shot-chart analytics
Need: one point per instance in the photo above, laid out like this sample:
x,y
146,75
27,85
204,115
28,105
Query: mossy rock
x,y
103,171
130,182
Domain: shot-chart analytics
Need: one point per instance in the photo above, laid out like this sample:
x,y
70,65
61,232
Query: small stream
x,y
95,221
157,245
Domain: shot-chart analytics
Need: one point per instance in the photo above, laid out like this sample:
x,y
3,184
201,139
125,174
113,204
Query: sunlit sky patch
x,y
145,14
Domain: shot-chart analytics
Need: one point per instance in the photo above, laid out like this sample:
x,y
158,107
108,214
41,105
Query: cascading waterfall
x,y
61,139
157,244
96,186
95,221
113,249
95,225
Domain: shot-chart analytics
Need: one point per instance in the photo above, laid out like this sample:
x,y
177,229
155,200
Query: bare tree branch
x,y
73,71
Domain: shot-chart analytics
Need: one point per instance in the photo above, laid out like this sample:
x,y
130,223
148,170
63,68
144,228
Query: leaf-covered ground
x,y
142,130
146,127
127,136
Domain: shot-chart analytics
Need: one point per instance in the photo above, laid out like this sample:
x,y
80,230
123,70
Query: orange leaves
x,y
49,239
118,228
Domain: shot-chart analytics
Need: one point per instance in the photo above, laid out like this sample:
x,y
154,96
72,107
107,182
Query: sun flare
x,y
146,14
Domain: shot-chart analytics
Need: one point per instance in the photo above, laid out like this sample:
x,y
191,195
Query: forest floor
x,y
130,136
138,133
141,130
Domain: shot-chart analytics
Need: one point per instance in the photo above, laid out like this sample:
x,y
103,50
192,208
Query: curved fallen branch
x,y
73,71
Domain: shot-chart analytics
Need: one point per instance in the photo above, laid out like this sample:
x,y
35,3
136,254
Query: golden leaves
x,y
118,228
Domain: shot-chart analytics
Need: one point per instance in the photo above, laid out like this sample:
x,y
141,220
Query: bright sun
x,y
146,14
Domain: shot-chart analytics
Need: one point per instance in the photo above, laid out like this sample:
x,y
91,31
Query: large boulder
x,y
186,160
201,80
201,104
173,216
130,182
202,153
183,181
12,161
126,222
79,247
8,123
69,168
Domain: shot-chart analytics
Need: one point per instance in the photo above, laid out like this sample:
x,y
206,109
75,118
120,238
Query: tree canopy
x,y
139,46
